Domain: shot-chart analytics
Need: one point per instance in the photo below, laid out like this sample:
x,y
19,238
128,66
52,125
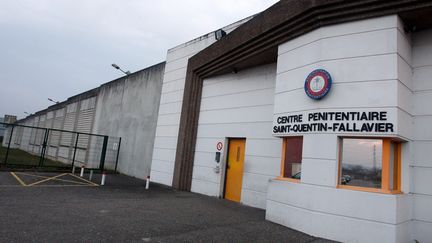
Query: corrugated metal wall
x,y
67,139
84,124
77,116
54,136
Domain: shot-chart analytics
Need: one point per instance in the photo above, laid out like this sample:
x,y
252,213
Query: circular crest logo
x,y
318,84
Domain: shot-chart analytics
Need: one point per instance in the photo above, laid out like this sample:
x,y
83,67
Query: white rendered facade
x,y
238,106
375,66
421,161
368,61
168,122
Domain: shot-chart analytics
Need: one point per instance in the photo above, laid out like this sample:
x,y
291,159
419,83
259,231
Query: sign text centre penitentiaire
x,y
334,121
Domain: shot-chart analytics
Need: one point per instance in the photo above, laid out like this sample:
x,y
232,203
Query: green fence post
x,y
10,140
44,145
104,148
118,152
76,145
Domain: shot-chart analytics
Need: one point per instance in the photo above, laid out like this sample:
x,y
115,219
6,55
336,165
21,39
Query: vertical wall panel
x,y
171,99
422,161
236,106
84,125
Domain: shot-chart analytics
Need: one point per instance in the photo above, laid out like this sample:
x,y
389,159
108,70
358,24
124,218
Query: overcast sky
x,y
59,48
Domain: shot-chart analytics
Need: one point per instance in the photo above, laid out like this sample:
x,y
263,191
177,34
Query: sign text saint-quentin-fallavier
x,y
338,121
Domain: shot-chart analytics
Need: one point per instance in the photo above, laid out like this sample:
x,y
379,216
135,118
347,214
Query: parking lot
x,y
60,207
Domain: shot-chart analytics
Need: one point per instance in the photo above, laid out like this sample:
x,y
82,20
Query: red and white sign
x,y
318,83
219,146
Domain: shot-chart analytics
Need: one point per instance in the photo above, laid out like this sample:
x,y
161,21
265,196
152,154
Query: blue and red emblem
x,y
317,84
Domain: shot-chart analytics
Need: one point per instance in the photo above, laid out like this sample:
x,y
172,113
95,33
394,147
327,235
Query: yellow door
x,y
234,171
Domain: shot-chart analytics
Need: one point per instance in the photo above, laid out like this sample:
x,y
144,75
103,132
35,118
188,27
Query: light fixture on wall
x,y
54,101
219,34
121,70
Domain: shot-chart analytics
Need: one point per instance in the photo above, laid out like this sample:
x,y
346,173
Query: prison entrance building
x,y
318,112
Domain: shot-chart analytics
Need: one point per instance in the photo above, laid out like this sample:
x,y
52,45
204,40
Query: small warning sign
x,y
219,146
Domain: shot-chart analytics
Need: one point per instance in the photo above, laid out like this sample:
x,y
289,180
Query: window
x,y
292,149
370,164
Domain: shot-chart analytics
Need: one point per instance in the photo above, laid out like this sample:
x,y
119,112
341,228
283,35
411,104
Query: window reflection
x,y
361,162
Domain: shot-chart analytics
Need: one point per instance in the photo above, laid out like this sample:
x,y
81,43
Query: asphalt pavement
x,y
69,209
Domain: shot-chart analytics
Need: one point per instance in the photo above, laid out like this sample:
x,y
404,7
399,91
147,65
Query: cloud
x,y
57,49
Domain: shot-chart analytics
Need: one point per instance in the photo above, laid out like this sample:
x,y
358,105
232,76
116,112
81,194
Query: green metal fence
x,y
37,147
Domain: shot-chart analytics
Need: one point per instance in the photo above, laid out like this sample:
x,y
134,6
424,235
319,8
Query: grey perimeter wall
x,y
128,108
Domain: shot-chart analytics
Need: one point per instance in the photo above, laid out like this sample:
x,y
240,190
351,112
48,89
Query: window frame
x,y
283,157
385,171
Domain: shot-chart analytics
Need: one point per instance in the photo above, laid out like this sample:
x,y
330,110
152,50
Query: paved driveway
x,y
66,209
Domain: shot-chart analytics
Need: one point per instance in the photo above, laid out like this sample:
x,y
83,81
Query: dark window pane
x,y
293,157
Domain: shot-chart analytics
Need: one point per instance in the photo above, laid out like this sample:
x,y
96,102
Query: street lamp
x,y
53,101
118,68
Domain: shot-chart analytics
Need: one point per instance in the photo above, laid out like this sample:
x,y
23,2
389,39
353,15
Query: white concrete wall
x,y
343,215
128,108
421,159
233,106
369,63
167,129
